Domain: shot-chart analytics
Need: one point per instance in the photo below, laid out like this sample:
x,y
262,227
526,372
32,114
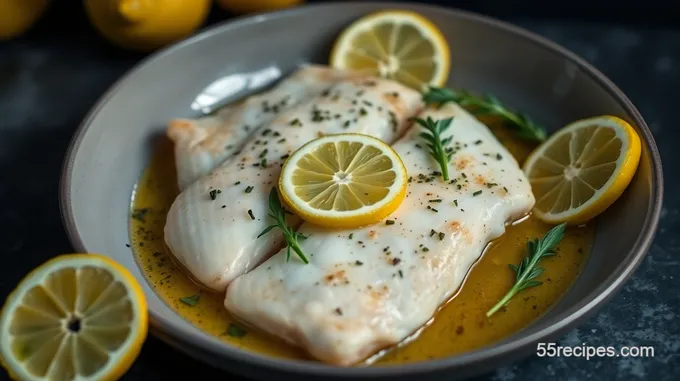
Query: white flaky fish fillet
x,y
360,294
216,240
202,144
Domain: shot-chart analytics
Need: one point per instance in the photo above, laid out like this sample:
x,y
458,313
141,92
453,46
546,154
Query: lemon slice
x,y
582,169
343,181
76,317
399,45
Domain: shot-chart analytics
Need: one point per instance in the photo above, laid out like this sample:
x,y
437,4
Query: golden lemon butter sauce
x,y
460,326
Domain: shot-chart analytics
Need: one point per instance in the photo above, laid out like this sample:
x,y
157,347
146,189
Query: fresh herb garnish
x,y
435,142
234,330
528,270
488,105
249,188
278,213
214,193
190,300
140,214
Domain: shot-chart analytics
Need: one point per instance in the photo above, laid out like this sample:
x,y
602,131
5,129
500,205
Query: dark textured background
x,y
51,77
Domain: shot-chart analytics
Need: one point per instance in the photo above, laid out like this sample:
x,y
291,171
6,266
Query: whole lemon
x,y
17,16
146,24
249,6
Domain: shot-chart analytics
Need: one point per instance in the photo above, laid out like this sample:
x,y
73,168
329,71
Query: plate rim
x,y
475,359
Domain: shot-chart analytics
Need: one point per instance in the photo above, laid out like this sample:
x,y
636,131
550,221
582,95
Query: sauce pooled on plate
x,y
460,325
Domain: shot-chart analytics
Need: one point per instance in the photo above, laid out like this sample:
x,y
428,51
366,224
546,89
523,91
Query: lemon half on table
x,y
76,317
395,44
582,169
343,181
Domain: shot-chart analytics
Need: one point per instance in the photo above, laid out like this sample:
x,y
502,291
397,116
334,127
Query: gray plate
x,y
113,145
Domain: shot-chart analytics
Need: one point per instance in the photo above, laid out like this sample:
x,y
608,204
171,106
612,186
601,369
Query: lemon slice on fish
x,y
582,169
76,317
343,181
395,44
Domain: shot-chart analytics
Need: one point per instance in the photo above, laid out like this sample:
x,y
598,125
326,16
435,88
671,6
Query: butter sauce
x,y
459,326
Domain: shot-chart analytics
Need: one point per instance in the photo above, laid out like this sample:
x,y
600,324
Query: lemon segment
x,y
146,25
18,16
343,181
582,169
395,44
77,316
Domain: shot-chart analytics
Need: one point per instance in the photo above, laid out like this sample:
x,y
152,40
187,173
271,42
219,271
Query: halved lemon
x,y
582,169
395,44
343,181
76,317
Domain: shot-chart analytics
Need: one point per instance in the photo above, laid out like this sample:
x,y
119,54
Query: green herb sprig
x,y
140,214
278,213
435,143
528,270
488,105
234,330
190,300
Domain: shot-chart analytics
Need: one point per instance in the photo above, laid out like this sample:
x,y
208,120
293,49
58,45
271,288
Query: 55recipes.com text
x,y
589,351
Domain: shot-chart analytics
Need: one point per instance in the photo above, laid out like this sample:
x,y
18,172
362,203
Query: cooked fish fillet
x,y
360,294
216,240
203,143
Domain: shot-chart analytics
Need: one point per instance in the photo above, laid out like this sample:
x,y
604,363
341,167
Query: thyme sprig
x,y
278,213
528,270
438,146
525,128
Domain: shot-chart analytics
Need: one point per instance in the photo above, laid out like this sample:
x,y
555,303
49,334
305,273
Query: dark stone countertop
x,y
49,81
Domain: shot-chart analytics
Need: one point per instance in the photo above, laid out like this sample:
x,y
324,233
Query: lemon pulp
x,y
399,45
582,169
77,316
344,180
